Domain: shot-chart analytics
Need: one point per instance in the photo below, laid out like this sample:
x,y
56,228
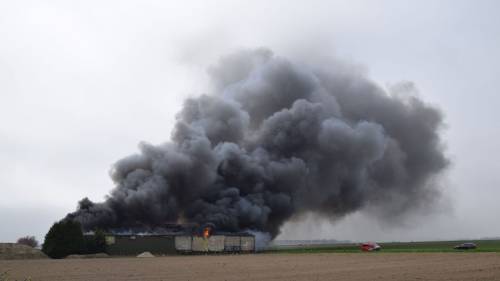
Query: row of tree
x,y
66,238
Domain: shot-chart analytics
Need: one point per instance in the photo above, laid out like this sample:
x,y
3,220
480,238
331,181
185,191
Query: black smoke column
x,y
276,139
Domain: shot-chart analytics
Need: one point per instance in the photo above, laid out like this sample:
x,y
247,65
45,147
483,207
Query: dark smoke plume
x,y
278,139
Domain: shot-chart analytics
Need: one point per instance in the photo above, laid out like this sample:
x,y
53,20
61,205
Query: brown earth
x,y
89,256
10,251
380,266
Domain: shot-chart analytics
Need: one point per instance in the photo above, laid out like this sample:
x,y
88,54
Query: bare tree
x,y
28,241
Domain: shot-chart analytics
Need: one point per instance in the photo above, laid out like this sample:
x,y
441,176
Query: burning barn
x,y
274,140
228,243
187,241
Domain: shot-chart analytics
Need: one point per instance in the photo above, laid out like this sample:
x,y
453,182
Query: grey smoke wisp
x,y
277,139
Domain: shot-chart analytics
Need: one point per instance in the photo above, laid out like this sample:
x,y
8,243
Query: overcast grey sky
x,y
83,82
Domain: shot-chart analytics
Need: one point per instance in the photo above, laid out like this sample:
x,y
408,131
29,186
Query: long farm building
x,y
169,244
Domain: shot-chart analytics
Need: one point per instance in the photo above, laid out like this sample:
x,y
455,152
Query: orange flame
x,y
206,232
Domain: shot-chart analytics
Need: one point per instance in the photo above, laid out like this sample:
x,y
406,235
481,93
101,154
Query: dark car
x,y
465,246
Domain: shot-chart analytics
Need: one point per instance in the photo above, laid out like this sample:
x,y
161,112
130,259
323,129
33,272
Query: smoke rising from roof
x,y
274,140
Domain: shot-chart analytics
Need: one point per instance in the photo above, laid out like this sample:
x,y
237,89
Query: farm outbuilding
x,y
127,245
206,241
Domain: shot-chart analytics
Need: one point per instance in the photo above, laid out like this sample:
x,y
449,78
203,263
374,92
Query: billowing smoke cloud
x,y
274,140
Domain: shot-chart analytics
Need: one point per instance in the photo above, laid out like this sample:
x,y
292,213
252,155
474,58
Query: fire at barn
x,y
178,239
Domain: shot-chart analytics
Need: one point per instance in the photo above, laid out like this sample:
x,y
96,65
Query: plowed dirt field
x,y
369,266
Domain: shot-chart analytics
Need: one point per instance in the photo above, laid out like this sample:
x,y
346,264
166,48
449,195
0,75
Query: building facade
x,y
169,244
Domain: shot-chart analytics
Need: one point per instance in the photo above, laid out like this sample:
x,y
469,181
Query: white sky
x,y
83,82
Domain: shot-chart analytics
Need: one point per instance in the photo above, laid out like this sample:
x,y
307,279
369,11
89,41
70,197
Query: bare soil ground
x,y
369,266
18,251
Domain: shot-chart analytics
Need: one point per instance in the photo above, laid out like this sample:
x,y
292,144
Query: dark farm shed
x,y
127,245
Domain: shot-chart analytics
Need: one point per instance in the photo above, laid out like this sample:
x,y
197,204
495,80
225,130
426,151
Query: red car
x,y
370,246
